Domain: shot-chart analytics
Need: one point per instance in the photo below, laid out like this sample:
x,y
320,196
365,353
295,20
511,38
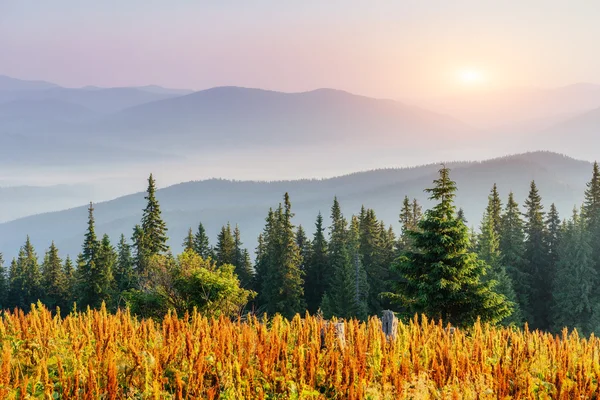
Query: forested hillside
x,y
525,263
560,179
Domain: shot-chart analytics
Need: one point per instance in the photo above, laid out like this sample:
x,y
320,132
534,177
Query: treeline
x,y
523,264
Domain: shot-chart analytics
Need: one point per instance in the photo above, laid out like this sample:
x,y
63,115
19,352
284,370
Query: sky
x,y
390,49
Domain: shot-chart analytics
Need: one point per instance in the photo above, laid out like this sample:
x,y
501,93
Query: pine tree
x,y
537,257
494,209
371,255
150,237
188,242
512,250
591,218
574,283
124,274
70,283
340,298
553,239
4,287
94,267
488,250
32,276
241,261
54,280
442,278
201,243
225,248
316,269
282,287
305,247
16,283
410,215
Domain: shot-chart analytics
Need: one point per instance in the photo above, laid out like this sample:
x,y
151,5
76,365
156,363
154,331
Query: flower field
x,y
97,355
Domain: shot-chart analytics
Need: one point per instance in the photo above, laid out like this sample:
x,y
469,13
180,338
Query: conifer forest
x,y
508,310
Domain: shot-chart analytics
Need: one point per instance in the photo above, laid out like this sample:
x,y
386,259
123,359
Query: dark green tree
x,y
488,250
371,255
442,278
188,242
124,274
575,280
241,261
201,243
54,280
29,277
494,209
283,285
512,253
537,258
317,268
225,248
70,283
4,287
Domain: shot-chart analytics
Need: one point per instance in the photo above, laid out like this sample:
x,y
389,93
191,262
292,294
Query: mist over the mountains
x,y
102,143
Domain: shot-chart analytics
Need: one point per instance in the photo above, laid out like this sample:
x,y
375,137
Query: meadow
x,y
98,355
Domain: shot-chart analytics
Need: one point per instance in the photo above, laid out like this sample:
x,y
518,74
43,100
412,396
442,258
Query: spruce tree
x,y
341,299
591,218
70,283
461,216
150,237
188,242
574,284
124,274
537,258
16,282
512,251
316,268
54,280
371,255
488,250
225,248
4,287
494,209
553,239
305,247
282,287
442,278
241,261
94,267
201,243
31,278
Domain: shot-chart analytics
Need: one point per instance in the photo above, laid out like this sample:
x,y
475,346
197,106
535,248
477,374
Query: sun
x,y
471,77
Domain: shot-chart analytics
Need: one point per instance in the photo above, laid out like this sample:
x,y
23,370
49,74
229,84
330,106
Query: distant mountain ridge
x,y
215,202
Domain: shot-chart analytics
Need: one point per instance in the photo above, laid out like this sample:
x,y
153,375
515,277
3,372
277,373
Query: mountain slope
x,y
238,117
216,202
11,84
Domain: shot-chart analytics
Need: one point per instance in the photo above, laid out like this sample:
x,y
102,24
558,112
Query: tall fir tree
x,y
574,284
494,209
341,299
4,287
70,283
32,285
460,214
124,274
553,239
94,268
488,250
241,260
371,255
537,258
188,241
201,243
442,278
512,251
317,268
105,266
150,237
283,282
410,215
16,282
54,280
225,248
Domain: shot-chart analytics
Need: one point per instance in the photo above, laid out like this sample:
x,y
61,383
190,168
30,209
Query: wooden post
x,y
389,324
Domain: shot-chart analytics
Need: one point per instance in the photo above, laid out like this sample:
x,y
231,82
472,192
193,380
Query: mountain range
x,y
215,202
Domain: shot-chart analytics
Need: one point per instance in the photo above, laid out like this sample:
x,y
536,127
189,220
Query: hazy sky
x,y
394,49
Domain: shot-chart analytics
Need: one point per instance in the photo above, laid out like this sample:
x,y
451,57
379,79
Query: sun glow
x,y
471,77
